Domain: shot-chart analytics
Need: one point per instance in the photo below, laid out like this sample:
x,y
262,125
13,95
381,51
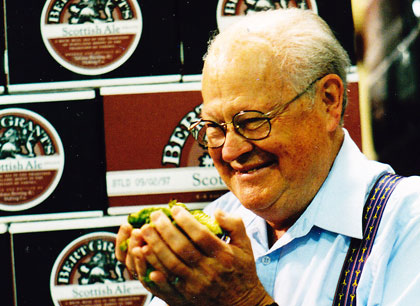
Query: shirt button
x,y
266,260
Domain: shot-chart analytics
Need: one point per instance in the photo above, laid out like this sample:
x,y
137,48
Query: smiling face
x,y
278,176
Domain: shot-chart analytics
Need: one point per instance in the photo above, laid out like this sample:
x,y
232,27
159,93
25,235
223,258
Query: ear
x,y
331,91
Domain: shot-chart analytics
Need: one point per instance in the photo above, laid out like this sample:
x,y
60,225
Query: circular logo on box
x,y
91,37
86,272
31,159
228,11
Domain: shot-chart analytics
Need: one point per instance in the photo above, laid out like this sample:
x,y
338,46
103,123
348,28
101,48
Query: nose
x,y
235,145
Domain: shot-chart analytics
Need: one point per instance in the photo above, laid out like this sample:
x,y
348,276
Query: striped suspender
x,y
359,250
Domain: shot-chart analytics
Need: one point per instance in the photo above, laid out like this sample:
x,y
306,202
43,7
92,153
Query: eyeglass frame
x,y
269,116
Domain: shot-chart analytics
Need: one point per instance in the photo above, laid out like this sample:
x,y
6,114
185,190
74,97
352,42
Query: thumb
x,y
234,226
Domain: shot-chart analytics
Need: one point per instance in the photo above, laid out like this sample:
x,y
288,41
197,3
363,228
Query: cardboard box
x,y
151,157
79,44
52,162
197,22
2,52
73,262
6,290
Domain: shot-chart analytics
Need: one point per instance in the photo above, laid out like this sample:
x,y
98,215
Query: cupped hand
x,y
192,265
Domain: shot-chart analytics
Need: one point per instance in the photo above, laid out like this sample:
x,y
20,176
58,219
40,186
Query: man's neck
x,y
275,234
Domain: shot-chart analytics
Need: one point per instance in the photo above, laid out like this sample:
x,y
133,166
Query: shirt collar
x,y
338,205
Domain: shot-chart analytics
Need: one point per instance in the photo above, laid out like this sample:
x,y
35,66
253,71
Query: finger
x,y
156,281
235,227
158,278
139,261
175,239
136,240
152,261
145,270
124,233
199,234
164,289
163,253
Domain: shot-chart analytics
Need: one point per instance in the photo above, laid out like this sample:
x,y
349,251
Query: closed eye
x,y
251,124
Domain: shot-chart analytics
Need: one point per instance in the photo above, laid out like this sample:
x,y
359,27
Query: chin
x,y
255,199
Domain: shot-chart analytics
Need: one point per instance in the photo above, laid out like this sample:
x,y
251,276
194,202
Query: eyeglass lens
x,y
252,125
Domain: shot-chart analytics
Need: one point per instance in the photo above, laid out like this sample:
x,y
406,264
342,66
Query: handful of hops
x,y
142,217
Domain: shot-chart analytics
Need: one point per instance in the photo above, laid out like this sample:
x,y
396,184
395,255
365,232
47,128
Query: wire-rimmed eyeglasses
x,y
250,124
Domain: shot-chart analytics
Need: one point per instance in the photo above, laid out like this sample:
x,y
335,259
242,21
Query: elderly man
x,y
274,95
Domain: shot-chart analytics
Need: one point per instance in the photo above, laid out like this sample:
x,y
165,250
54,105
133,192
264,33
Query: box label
x,y
91,37
31,159
86,272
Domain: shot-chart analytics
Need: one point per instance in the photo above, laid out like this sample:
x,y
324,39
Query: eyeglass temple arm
x,y
282,107
192,126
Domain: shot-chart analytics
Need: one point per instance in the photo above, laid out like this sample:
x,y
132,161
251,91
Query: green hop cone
x,y
208,221
142,217
138,219
124,245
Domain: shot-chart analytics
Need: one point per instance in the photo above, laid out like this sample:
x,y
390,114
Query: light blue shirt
x,y
303,266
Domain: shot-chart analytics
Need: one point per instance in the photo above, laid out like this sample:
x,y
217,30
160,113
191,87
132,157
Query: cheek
x,y
222,167
297,151
215,155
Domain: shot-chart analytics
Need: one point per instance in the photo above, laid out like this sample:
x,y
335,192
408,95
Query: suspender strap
x,y
359,250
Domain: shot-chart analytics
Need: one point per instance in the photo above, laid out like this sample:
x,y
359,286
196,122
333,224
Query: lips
x,y
253,168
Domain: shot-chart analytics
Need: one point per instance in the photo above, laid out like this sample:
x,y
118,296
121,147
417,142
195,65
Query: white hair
x,y
302,43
